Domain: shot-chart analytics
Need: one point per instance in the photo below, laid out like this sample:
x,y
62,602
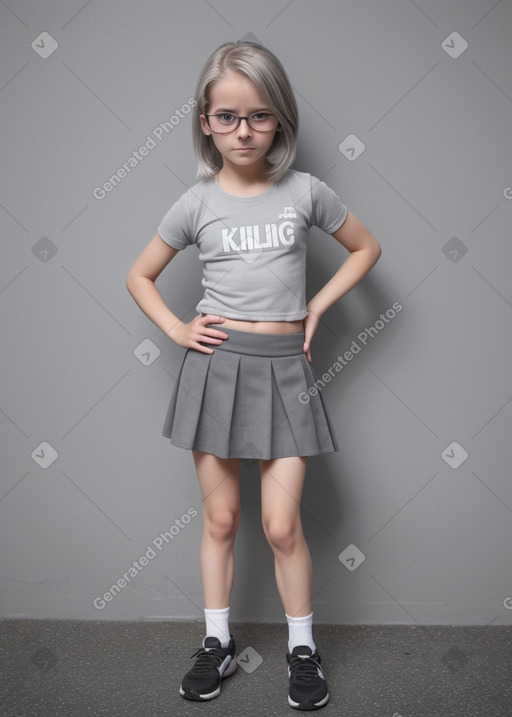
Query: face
x,y
237,94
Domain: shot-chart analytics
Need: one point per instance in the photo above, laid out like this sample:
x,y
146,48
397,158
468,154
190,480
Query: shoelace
x,y
205,658
303,667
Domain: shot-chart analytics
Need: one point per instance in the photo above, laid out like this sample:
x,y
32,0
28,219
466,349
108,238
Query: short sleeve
x,y
175,227
328,211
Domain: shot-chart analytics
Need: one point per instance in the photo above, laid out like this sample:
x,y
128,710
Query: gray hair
x,y
264,69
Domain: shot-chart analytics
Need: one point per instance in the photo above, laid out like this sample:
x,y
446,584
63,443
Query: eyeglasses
x,y
226,122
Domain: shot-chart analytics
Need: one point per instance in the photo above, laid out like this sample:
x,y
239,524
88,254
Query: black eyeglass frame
x,y
219,114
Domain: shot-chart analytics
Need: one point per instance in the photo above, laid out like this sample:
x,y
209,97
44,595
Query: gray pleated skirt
x,y
249,399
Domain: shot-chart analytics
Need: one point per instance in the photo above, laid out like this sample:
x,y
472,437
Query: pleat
x,y
290,380
171,410
283,441
252,416
185,406
215,426
326,437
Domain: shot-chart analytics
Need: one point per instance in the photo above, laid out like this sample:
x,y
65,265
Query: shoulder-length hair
x,y
264,69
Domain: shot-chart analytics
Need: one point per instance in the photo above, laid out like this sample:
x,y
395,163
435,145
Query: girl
x,y
246,371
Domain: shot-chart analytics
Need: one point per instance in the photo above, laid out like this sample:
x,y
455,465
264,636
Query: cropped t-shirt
x,y
253,249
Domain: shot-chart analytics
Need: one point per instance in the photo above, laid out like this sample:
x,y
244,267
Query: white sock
x,y
300,632
217,624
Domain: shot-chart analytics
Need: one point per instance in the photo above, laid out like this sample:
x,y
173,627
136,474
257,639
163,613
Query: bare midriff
x,y
264,327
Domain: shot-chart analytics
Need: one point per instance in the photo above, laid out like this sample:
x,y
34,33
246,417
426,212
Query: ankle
x,y
217,624
300,631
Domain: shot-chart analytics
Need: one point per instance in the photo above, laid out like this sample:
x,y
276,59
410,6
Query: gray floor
x,y
54,668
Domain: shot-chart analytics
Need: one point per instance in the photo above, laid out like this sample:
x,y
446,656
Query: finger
x,y
205,330
209,331
211,319
202,349
212,336
206,338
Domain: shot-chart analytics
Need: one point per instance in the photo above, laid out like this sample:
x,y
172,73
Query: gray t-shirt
x,y
253,249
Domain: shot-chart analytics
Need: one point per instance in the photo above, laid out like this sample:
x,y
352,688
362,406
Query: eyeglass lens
x,y
226,122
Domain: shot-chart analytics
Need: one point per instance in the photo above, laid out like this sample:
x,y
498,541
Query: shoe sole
x,y
210,695
308,705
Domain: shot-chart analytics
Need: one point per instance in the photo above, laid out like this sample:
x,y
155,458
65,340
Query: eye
x,y
226,117
260,116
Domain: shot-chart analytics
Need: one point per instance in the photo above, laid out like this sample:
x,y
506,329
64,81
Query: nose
x,y
244,129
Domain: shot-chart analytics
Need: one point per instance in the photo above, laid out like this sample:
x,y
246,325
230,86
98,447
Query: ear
x,y
204,125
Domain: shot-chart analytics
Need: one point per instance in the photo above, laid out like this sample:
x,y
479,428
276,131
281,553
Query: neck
x,y
232,175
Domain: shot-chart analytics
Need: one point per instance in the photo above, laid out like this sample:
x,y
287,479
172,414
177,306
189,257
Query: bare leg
x,y
220,489
282,480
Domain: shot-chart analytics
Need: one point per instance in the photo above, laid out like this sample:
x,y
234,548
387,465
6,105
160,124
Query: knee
x,y
282,535
222,525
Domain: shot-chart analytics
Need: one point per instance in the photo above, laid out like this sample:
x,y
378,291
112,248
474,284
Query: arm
x,y
140,282
364,253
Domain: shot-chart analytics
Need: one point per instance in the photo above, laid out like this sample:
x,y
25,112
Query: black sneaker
x,y
308,688
213,662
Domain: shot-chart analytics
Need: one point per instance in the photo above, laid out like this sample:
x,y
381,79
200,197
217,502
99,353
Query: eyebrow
x,y
258,109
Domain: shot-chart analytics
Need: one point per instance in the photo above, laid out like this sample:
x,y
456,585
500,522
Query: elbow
x,y
135,281
130,281
373,250
376,249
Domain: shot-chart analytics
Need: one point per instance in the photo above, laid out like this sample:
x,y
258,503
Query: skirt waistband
x,y
259,344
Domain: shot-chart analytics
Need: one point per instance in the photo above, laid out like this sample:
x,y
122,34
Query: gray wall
x,y
411,521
